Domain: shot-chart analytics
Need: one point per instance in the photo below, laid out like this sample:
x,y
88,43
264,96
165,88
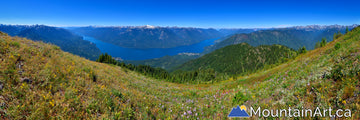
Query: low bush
x,y
337,46
240,98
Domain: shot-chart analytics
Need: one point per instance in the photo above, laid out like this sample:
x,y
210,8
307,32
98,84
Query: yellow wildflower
x,y
52,104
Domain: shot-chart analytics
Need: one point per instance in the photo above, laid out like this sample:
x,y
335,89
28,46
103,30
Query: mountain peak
x,y
149,26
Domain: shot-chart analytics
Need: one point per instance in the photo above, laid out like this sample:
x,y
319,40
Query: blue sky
x,y
183,13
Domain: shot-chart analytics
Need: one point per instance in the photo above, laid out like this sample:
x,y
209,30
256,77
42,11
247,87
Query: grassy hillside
x,y
240,58
63,86
324,77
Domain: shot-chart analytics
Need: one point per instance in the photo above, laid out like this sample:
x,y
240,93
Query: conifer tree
x,y
302,50
323,42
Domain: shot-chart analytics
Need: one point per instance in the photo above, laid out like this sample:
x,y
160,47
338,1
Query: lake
x,y
148,53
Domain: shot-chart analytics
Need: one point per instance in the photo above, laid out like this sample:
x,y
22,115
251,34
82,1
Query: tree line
x,y
196,76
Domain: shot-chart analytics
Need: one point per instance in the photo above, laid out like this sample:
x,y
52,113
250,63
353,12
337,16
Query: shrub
x,y
56,47
337,46
348,92
16,44
94,77
337,35
117,93
323,42
240,98
337,73
193,93
302,50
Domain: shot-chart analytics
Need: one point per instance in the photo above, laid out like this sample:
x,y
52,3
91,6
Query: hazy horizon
x,y
64,26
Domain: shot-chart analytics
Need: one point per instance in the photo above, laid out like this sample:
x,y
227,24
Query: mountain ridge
x,y
65,39
293,37
143,37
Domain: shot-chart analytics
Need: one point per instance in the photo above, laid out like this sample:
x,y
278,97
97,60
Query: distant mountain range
x,y
293,37
63,38
148,36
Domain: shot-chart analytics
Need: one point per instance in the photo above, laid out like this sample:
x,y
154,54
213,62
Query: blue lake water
x,y
148,53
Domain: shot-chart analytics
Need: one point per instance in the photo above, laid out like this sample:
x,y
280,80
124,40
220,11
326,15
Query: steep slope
x,y
240,58
67,41
325,77
166,62
294,37
39,81
59,85
148,36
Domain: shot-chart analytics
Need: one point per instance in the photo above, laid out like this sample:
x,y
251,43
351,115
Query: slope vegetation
x,y
166,62
324,77
39,81
240,58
